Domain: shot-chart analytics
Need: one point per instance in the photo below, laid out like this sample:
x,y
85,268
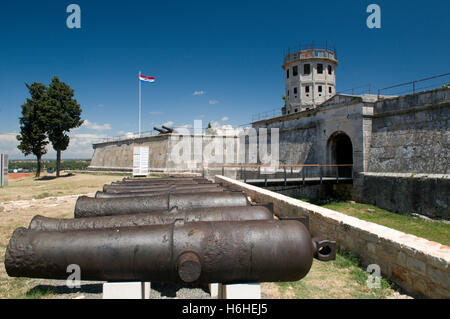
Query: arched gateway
x,y
340,151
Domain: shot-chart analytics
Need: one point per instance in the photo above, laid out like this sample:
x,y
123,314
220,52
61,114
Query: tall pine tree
x,y
33,124
64,114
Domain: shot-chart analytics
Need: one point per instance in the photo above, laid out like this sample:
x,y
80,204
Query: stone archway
x,y
340,151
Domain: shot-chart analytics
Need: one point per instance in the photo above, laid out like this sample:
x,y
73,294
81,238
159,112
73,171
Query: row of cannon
x,y
178,230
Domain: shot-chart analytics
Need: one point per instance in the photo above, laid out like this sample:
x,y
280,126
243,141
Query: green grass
x,y
44,195
342,278
435,230
39,292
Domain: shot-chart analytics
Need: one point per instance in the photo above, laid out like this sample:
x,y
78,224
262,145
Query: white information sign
x,y
3,170
140,160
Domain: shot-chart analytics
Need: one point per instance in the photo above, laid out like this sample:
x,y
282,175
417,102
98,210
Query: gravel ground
x,y
93,290
172,291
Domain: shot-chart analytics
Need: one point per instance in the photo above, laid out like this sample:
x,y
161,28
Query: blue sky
x,y
229,50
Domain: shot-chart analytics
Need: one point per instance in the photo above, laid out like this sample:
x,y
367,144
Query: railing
x,y
310,46
205,131
287,173
267,114
412,87
363,89
416,86
122,137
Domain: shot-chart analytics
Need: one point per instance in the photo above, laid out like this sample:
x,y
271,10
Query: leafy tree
x,y
33,124
64,114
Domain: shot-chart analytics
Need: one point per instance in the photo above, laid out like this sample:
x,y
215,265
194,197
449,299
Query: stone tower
x,y
309,77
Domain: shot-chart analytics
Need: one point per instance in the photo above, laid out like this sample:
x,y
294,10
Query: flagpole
x,y
139,103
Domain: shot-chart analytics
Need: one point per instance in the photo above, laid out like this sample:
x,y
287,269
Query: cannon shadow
x,y
42,290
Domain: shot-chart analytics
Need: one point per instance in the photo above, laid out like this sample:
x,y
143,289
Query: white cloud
x,y
187,126
201,116
156,113
170,123
225,118
96,127
224,129
199,93
80,146
8,145
213,102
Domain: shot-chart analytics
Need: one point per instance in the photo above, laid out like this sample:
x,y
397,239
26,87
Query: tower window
x,y
319,68
307,89
295,70
306,69
329,89
319,88
329,70
288,93
295,90
287,74
296,110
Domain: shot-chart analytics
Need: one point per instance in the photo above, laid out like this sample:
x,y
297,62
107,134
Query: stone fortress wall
x,y
408,168
389,137
393,140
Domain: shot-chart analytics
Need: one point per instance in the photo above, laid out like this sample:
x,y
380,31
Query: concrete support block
x,y
240,291
126,290
214,290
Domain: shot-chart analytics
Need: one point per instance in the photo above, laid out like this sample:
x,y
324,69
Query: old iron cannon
x,y
198,252
168,129
234,213
89,207
198,187
158,193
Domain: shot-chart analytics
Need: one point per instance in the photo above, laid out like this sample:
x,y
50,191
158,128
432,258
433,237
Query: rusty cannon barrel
x,y
155,183
156,193
191,215
140,189
164,180
201,252
158,184
89,207
168,129
160,130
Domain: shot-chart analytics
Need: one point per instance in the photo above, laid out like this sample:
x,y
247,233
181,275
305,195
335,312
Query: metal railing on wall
x,y
393,91
363,89
122,137
416,86
267,114
284,173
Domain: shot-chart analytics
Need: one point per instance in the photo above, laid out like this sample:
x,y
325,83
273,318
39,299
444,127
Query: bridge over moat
x,y
293,175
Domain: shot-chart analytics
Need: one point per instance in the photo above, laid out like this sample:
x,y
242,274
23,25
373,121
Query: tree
x,y
64,114
33,124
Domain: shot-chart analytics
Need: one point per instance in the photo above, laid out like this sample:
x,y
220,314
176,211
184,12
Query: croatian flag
x,y
146,78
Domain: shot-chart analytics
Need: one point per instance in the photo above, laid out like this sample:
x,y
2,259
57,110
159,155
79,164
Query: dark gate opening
x,y
342,153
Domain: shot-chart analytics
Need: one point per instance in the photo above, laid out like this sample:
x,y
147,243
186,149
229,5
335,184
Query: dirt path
x,y
17,205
